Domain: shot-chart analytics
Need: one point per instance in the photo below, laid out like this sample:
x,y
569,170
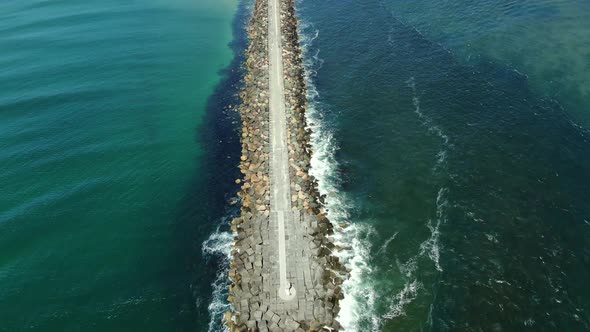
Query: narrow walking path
x,y
280,203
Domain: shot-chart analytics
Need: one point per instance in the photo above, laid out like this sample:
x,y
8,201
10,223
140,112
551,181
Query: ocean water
x,y
113,157
451,139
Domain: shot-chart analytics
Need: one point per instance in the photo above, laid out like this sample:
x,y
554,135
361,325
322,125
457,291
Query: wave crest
x,y
218,246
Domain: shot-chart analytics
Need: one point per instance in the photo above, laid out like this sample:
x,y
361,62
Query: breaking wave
x,y
358,304
218,247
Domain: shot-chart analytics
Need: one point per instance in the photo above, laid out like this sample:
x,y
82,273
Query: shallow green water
x,y
102,150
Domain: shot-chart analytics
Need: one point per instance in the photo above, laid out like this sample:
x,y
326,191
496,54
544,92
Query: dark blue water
x,y
465,182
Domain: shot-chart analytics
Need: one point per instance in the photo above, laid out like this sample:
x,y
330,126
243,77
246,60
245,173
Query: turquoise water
x,y
451,136
104,162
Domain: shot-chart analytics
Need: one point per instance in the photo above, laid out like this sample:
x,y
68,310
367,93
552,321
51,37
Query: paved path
x,y
280,203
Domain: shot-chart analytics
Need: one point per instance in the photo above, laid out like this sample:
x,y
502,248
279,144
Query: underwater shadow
x,y
205,209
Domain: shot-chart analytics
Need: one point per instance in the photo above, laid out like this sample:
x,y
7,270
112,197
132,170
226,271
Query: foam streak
x,y
359,295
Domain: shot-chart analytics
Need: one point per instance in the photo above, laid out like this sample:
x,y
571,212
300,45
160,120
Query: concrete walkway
x,y
280,203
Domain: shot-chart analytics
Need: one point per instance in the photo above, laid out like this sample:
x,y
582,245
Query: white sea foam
x,y
386,243
359,301
218,246
409,267
441,156
359,294
401,299
408,293
431,246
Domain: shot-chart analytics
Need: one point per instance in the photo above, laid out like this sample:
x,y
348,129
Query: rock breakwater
x,y
315,273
